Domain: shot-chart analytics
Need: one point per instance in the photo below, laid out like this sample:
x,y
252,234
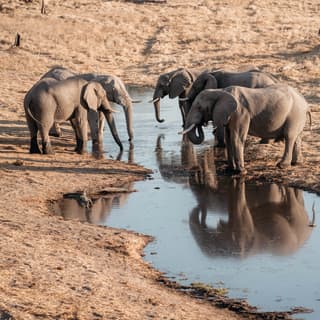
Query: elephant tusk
x,y
184,99
187,130
154,100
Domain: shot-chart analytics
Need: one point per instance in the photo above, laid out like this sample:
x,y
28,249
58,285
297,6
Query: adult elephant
x,y
277,111
54,101
116,92
176,83
270,218
220,79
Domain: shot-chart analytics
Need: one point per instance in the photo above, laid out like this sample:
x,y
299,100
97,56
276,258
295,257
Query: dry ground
x,y
53,269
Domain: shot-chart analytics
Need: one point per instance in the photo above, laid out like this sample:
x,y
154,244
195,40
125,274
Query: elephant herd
x,y
237,103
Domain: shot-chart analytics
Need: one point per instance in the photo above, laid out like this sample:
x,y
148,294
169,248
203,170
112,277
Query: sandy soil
x,y
55,269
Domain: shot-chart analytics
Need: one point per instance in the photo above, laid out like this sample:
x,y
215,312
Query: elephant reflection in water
x,y
195,169
96,213
268,218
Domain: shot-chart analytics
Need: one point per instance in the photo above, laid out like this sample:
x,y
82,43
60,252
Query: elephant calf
x,y
51,100
277,111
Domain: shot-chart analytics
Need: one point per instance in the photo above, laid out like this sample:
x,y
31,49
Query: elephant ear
x,y
91,96
224,106
179,82
204,81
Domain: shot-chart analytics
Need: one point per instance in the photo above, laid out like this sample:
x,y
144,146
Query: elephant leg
x,y
55,130
239,128
96,124
81,124
46,143
74,126
33,128
219,134
101,123
182,110
231,163
297,154
288,152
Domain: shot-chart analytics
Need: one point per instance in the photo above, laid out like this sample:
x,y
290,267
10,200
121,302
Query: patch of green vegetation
x,y
208,289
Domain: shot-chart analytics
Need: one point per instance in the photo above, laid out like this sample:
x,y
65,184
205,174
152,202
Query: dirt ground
x,y
56,269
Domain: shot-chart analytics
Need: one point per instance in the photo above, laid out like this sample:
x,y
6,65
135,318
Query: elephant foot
x,y
47,149
297,163
82,151
34,147
35,150
283,165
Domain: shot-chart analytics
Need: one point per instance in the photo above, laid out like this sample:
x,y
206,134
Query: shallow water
x,y
254,240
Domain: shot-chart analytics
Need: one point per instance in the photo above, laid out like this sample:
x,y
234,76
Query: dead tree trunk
x,y
43,7
17,40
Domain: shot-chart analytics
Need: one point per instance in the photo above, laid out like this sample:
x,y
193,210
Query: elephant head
x,y
210,104
206,80
174,84
96,99
117,93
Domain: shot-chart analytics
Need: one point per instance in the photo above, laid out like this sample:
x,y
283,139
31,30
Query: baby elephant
x,y
70,99
277,111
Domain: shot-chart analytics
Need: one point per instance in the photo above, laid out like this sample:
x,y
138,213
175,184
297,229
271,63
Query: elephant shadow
x,y
261,219
95,212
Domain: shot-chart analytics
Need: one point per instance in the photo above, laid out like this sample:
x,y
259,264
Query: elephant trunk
x,y
112,126
129,114
196,138
156,103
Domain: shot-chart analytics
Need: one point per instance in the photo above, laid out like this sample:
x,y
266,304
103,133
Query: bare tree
x,y
43,7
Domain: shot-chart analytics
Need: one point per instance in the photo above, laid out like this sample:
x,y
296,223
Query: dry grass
x,y
52,269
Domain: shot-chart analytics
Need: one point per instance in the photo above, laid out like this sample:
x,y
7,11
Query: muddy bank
x,y
55,269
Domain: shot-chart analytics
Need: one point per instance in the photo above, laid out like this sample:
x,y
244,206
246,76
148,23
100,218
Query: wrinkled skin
x,y
175,84
272,219
55,101
277,111
116,92
221,79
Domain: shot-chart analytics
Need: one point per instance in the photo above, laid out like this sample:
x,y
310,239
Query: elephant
x,y
277,111
175,83
220,79
70,99
116,92
268,218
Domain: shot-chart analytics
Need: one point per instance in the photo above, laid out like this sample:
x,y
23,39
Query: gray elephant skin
x,y
116,92
54,101
277,111
220,79
176,83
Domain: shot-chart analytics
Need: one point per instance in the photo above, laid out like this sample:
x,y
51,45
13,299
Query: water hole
x,y
254,240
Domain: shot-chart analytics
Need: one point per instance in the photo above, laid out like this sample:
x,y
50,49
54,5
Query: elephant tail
x,y
27,107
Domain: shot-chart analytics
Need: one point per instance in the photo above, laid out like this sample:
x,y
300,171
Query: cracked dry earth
x,y
55,269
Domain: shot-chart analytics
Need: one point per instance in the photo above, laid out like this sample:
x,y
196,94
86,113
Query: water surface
x,y
254,240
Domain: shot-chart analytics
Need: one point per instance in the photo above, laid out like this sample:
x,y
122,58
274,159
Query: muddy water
x,y
254,240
